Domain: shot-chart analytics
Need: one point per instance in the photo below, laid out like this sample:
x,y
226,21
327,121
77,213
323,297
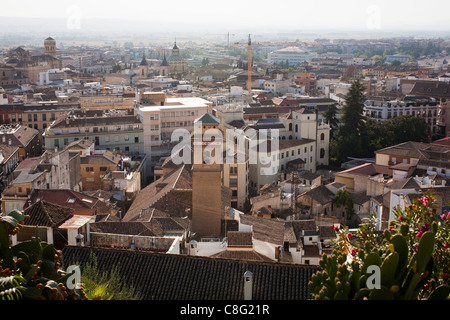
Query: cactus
x,y
31,269
409,256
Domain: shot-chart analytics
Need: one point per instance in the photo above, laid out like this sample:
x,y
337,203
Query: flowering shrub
x,y
31,269
412,257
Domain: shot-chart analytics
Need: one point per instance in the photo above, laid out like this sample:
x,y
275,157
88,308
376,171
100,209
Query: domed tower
x,y
164,68
176,61
143,67
50,47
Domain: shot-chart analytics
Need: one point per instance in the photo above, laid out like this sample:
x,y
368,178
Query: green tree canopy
x,y
353,110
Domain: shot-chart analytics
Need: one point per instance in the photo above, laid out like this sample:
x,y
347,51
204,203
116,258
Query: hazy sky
x,y
264,15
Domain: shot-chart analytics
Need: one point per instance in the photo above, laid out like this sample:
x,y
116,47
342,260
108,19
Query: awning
x,y
77,221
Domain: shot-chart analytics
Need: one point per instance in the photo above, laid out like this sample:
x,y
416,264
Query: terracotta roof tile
x,y
160,276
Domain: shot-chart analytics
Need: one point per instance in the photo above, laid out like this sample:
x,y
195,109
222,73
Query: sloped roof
x,y
436,89
128,228
267,230
143,61
207,118
246,255
180,178
321,194
45,214
164,62
160,276
64,198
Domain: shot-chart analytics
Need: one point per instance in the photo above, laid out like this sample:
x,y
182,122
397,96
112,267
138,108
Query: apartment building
x,y
292,55
52,170
39,115
427,108
114,130
161,116
29,140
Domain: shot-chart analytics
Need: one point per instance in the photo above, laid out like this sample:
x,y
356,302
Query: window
x,y
322,153
35,117
126,138
136,139
322,136
44,117
103,169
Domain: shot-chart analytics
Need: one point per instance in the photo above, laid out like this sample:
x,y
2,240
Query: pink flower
x,y
349,235
336,228
419,234
424,200
354,252
446,245
445,276
443,216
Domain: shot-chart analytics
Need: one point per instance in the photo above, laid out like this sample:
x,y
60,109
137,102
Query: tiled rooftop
x,y
178,277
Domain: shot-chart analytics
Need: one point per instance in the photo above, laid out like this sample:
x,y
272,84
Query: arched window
x,y
296,128
322,153
290,126
322,136
290,137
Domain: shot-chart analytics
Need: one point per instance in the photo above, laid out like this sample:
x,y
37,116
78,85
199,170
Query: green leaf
x,y
411,292
32,248
23,265
31,293
48,260
10,220
388,269
440,293
372,259
16,214
31,272
425,250
381,294
339,295
364,292
400,246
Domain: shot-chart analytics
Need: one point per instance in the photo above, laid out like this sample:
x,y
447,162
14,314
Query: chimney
x,y
79,240
248,284
278,253
192,248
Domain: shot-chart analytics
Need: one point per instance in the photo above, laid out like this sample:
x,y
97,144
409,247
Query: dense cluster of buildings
x,y
156,160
